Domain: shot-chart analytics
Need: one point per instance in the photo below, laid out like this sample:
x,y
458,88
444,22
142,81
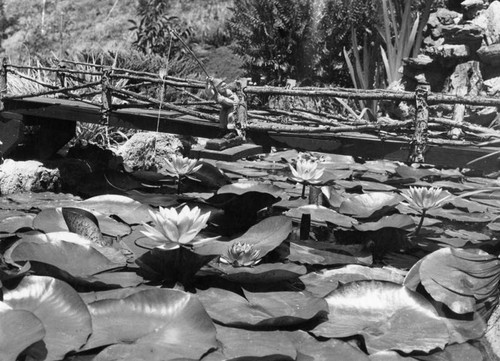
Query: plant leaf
x,y
381,312
163,319
63,313
84,223
369,204
127,209
24,329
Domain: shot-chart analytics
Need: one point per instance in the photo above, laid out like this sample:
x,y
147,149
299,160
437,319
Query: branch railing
x,y
113,89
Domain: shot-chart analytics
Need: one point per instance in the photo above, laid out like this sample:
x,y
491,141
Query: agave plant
x,y
423,199
179,167
241,255
306,172
172,229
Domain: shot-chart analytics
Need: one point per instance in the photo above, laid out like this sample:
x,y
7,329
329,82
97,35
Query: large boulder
x,y
27,176
147,150
493,27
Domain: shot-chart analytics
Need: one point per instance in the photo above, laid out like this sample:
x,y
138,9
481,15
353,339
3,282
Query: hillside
x,y
65,28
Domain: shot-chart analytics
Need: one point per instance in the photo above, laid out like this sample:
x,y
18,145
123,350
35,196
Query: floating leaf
x,y
463,351
261,273
127,209
381,312
308,255
310,349
460,278
366,205
323,282
320,214
84,223
400,221
77,259
238,344
13,223
264,236
63,313
167,320
23,330
240,188
274,309
457,215
52,220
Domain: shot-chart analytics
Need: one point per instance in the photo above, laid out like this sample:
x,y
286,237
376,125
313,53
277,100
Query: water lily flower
x,y
172,229
423,199
307,172
241,255
179,166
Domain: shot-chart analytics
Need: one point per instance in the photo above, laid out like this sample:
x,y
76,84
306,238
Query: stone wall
x,y
461,55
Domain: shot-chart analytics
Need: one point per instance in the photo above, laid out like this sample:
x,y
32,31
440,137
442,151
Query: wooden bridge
x,y
71,92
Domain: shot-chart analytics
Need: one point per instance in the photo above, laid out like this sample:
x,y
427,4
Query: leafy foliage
x,y
275,37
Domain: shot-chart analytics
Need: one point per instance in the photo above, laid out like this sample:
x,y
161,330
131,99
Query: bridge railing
x,y
113,89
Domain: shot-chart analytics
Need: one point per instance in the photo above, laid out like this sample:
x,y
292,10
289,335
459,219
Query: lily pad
x,y
381,313
24,329
238,344
52,220
84,223
264,236
460,278
127,209
323,282
321,215
303,254
400,221
13,223
62,312
370,204
310,349
240,188
164,319
77,259
261,273
272,309
460,216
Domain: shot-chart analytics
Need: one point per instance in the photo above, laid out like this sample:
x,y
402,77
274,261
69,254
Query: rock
x,y
419,63
96,157
452,51
463,33
444,16
470,8
481,116
492,86
147,150
490,54
493,23
27,176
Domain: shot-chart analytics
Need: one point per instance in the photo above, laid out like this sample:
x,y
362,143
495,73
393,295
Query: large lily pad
x,y
273,309
310,349
301,253
370,204
322,283
387,315
63,313
261,273
238,344
400,221
460,278
20,329
167,320
264,236
127,209
77,259
84,223
52,220
322,215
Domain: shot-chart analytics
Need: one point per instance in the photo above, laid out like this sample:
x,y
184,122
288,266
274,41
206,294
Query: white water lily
x,y
241,255
423,199
179,166
306,171
172,229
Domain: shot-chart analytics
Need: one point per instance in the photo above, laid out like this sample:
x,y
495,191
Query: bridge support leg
x,y
3,82
418,144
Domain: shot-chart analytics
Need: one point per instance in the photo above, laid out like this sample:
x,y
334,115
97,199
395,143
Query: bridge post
x,y
418,143
106,96
61,76
3,82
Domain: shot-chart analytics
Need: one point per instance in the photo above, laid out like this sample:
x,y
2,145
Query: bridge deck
x,y
363,145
